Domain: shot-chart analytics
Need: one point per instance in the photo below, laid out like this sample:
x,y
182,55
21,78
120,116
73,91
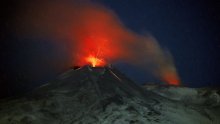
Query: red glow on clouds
x,y
99,33
94,36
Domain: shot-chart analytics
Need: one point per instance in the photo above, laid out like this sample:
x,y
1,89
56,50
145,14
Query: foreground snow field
x,y
105,96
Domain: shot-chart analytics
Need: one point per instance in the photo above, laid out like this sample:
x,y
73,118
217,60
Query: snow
x,y
105,96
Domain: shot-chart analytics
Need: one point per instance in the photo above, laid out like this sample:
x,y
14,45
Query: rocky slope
x,y
102,96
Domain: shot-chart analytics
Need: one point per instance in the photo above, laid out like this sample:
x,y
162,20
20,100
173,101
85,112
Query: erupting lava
x,y
94,61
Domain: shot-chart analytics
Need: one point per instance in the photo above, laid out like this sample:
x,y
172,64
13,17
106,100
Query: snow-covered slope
x,y
101,96
199,96
206,101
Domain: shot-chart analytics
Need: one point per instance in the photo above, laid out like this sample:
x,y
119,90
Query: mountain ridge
x,y
100,95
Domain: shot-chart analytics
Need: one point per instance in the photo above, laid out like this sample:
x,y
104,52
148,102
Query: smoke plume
x,y
90,29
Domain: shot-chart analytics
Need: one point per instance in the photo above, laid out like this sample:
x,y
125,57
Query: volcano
x,y
102,95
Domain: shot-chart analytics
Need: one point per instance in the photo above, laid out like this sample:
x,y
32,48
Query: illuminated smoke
x,y
94,35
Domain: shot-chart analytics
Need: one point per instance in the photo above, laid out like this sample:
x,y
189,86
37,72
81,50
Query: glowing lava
x,y
171,79
94,61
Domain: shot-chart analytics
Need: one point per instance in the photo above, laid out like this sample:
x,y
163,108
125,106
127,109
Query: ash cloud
x,y
90,28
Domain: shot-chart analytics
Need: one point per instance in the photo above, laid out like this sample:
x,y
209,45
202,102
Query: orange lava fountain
x,y
94,61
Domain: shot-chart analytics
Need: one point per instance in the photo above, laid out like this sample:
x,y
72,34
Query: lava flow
x,y
171,79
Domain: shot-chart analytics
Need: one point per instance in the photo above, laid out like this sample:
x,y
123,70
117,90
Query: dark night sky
x,y
188,28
